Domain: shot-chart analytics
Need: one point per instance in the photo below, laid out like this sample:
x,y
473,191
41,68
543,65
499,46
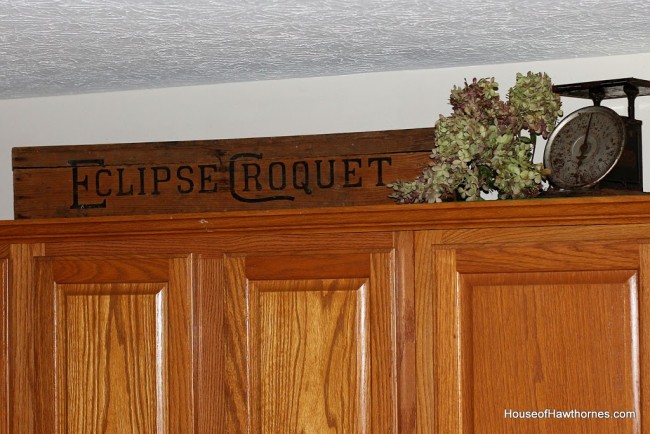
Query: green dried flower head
x,y
480,147
533,99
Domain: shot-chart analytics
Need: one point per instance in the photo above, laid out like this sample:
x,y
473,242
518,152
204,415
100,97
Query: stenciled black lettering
x,y
319,180
120,184
348,172
380,166
207,177
83,182
283,176
97,182
255,176
233,180
304,181
157,179
142,191
183,178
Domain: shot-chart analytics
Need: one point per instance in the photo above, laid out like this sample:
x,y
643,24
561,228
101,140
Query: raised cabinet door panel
x,y
115,345
523,346
311,344
557,341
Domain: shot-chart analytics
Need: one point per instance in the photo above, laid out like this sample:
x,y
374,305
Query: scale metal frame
x,y
627,174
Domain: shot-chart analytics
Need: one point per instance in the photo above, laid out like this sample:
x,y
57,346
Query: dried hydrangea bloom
x,y
480,146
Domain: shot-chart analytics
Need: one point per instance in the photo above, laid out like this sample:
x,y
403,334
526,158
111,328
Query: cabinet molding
x,y
620,210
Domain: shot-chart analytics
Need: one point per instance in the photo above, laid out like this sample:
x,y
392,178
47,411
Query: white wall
x,y
364,102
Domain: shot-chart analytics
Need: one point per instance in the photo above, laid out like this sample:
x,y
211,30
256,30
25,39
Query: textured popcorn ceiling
x,y
53,47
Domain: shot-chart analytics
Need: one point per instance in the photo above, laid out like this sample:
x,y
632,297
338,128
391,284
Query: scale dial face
x,y
584,147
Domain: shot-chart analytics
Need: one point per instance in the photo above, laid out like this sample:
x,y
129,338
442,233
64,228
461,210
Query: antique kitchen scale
x,y
594,148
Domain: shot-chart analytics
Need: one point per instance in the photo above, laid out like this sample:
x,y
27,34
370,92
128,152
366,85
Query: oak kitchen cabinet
x,y
443,318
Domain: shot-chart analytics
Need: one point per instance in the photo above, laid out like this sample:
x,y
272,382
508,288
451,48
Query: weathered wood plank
x,y
218,175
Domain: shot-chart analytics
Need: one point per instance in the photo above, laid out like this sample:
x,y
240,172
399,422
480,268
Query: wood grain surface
x,y
308,353
4,346
608,212
427,319
311,356
25,404
558,341
112,361
216,175
120,351
558,332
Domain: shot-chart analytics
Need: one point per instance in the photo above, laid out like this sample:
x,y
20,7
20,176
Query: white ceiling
x,y
54,47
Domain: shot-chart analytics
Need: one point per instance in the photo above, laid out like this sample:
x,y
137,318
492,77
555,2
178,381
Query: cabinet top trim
x,y
632,209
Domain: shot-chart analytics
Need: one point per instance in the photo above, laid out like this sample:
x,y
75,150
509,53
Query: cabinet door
x,y
310,343
114,345
539,339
